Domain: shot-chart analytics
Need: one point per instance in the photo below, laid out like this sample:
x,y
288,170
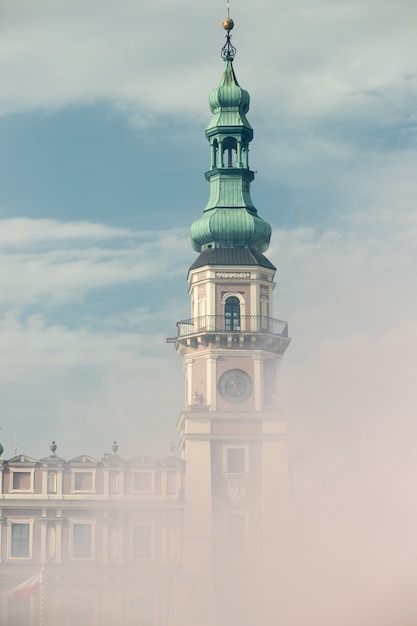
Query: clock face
x,y
235,385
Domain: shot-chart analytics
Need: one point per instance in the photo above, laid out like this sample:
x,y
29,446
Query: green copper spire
x,y
230,218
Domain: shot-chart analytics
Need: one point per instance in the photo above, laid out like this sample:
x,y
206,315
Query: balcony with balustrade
x,y
232,331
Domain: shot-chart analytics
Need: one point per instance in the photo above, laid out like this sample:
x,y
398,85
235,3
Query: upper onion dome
x,y
229,94
229,103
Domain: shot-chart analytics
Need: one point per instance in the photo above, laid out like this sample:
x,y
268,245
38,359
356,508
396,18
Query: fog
x,y
102,113
341,550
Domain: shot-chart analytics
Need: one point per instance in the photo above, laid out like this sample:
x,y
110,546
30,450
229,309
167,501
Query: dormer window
x,y
143,481
83,481
22,480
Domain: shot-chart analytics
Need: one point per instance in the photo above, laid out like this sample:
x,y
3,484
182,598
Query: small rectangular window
x,y
18,612
142,481
146,617
142,542
83,481
236,460
21,481
81,541
80,607
20,541
236,533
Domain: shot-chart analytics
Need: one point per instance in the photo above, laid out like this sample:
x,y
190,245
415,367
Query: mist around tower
x,y
104,157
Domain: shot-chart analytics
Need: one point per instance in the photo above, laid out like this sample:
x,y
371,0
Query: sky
x,y
103,108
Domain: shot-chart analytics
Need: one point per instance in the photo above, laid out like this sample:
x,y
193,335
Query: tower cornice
x,y
231,172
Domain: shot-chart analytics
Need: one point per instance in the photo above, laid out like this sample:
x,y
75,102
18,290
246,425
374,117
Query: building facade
x,y
107,534
198,540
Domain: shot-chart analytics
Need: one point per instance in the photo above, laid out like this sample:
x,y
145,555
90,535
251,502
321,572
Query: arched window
x,y
214,154
52,482
232,313
230,148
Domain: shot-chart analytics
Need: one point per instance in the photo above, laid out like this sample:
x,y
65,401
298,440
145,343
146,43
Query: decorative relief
x,y
264,290
201,292
225,293
236,490
263,277
198,398
232,274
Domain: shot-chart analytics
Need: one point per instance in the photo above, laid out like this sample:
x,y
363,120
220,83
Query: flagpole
x,y
42,604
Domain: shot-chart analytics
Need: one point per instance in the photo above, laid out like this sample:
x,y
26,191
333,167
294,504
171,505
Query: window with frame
x,y
236,460
136,610
142,541
143,482
146,616
81,608
20,540
82,541
21,481
83,481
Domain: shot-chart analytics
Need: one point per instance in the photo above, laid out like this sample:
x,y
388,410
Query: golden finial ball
x,y
228,24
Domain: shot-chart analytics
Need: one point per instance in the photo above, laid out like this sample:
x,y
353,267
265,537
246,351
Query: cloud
x,y
134,55
24,231
32,349
48,259
349,298
56,380
70,53
61,360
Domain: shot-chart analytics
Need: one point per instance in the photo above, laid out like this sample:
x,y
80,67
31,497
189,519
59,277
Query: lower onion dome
x,y
228,227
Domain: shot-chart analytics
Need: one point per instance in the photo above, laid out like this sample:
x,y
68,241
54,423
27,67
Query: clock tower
x,y
232,432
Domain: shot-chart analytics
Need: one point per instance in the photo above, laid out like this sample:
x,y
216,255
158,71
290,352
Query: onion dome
x,y
230,228
229,103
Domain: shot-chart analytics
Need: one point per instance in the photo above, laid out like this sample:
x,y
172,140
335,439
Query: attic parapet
x,y
85,478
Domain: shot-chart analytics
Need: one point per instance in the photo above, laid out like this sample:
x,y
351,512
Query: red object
x,y
30,587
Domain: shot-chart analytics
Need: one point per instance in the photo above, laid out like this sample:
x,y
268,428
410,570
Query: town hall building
x,y
198,538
